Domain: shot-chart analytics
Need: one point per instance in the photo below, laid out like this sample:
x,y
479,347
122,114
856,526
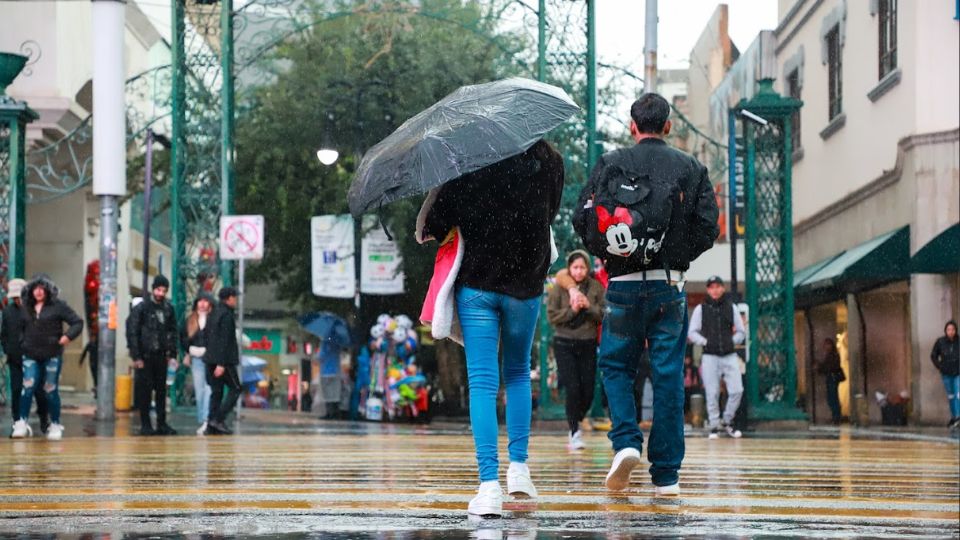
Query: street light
x,y
327,156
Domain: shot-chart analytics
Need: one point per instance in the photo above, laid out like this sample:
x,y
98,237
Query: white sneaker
x,y
21,430
202,430
672,490
519,484
55,432
576,441
623,464
489,500
732,432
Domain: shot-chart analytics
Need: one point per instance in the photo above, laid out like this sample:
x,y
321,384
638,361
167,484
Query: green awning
x,y
940,255
876,262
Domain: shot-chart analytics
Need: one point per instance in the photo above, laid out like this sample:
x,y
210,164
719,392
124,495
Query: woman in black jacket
x,y
829,366
946,357
43,341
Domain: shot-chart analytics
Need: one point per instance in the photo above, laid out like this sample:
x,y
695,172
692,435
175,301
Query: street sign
x,y
241,237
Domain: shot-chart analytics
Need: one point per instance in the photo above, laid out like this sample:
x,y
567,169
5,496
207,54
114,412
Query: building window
x,y
888,36
835,66
793,90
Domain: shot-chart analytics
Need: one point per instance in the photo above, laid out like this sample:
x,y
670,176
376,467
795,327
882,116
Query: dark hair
x,y
650,113
950,323
571,258
227,292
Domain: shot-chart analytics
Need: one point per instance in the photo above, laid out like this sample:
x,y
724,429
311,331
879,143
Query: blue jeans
x,y
43,374
489,321
201,390
656,313
951,383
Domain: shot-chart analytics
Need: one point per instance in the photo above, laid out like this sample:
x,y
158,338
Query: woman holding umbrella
x,y
503,213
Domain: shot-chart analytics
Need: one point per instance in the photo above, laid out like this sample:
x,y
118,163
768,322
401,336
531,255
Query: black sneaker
x,y
164,429
44,424
732,431
714,433
954,423
217,428
147,430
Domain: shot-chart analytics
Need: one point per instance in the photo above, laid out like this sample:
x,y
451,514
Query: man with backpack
x,y
648,211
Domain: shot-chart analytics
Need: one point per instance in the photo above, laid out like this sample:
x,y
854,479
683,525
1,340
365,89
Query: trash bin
x,y
124,393
698,410
861,411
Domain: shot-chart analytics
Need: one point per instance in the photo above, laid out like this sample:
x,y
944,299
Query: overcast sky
x,y
620,28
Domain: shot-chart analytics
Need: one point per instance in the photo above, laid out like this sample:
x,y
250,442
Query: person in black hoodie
x,y
43,339
222,360
504,213
152,341
10,338
946,357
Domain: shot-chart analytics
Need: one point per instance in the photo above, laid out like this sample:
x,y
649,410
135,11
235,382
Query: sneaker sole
x,y
619,478
487,513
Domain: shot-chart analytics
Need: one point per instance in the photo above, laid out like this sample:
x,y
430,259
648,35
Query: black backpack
x,y
630,215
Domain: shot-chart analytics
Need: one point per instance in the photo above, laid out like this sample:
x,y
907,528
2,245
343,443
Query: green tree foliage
x,y
349,82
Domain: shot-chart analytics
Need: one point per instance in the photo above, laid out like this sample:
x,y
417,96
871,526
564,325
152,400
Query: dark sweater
x,y
504,213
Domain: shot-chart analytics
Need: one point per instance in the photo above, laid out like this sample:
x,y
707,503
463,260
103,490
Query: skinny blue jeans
x,y
201,389
493,322
951,383
43,374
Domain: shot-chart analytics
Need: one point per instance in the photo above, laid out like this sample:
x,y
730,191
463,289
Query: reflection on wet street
x,y
361,482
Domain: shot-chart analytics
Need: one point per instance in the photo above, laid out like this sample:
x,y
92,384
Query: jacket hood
x,y
40,280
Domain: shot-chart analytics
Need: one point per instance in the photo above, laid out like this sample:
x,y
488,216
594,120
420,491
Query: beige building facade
x,y
875,180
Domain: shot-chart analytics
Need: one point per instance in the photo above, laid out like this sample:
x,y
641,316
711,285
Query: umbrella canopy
x,y
328,327
252,363
472,128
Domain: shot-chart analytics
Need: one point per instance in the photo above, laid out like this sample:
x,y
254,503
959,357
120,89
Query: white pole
x,y
240,326
650,47
109,179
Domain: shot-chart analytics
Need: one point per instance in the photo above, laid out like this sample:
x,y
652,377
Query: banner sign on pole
x,y
332,255
241,237
380,261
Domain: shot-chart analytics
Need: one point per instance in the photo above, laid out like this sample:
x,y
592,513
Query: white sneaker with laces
x,y
55,432
489,500
519,484
21,430
732,432
623,464
576,441
202,430
672,490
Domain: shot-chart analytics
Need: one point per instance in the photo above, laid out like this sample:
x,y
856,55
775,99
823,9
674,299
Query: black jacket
x,y
222,346
41,333
716,326
946,356
504,213
152,331
691,233
11,332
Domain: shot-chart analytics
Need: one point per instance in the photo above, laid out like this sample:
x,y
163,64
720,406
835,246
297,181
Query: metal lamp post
x,y
14,117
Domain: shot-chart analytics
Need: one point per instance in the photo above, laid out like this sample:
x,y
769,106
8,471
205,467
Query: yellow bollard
x,y
124,393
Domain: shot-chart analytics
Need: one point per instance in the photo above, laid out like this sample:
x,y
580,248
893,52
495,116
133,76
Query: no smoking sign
x,y
241,237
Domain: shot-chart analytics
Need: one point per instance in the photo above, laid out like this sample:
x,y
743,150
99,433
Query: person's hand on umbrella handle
x,y
218,371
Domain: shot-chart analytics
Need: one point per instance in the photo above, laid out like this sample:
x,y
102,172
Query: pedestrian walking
x,y
648,210
831,370
10,338
152,341
43,339
946,357
503,214
222,361
575,341
717,327
193,339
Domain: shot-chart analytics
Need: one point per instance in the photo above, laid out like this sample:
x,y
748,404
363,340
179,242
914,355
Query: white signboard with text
x,y
332,256
380,261
241,237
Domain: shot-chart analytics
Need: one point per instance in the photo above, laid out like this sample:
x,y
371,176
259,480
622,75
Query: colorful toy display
x,y
389,380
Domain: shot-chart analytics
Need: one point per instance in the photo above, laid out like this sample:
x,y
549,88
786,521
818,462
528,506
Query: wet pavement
x,y
302,478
